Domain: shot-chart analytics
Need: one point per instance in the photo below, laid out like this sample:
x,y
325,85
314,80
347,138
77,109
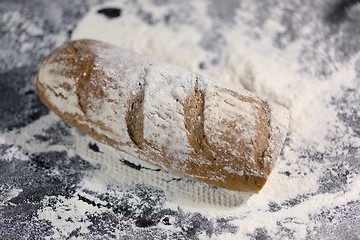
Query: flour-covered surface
x,y
56,182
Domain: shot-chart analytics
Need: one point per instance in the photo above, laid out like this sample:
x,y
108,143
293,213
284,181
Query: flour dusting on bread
x,y
179,120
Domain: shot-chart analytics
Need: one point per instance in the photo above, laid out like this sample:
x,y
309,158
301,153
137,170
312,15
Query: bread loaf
x,y
181,121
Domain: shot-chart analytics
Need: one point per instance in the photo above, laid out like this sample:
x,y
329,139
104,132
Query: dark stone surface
x,y
17,95
45,174
29,30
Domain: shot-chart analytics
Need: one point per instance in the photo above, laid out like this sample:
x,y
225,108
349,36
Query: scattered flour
x,y
257,66
269,71
10,194
14,152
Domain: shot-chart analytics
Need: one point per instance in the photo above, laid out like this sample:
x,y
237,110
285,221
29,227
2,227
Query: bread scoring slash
x,y
182,121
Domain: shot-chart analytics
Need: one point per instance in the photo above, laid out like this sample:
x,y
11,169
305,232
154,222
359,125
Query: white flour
x,y
260,67
256,65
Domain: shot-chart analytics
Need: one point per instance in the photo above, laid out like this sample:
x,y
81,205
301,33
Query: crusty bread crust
x,y
189,125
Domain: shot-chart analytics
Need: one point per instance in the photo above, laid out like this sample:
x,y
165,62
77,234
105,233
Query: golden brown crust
x,y
74,119
219,157
205,159
135,118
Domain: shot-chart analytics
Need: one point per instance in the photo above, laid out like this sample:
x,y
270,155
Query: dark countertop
x,y
32,182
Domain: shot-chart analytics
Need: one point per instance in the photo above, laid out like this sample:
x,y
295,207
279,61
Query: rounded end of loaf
x,y
238,135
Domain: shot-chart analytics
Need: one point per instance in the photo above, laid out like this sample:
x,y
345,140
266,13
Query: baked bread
x,y
181,121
